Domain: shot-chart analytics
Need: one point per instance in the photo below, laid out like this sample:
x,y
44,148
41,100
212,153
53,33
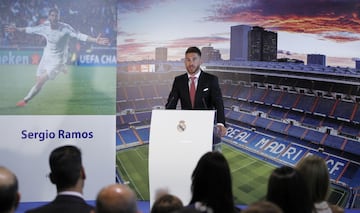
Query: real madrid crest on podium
x,y
181,127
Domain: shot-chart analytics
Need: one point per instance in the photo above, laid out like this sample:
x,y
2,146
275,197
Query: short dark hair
x,y
166,203
8,194
262,206
65,165
187,209
193,50
287,189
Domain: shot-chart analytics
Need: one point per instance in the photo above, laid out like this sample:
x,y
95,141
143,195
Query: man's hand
x,y
102,40
221,130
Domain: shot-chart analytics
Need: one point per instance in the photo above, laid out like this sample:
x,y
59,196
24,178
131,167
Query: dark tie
x,y
192,91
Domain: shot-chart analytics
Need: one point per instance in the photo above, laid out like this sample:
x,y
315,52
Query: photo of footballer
x,y
55,54
54,37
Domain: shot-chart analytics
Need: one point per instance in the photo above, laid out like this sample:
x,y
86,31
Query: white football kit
x,y
55,52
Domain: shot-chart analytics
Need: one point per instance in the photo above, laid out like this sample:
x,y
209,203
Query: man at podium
x,y
198,90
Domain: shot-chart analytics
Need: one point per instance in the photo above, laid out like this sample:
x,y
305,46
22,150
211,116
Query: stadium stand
x,y
325,106
276,115
148,91
344,110
273,97
288,100
305,103
128,136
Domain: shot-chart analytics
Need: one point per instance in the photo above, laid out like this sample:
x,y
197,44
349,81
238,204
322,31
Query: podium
x,y
178,138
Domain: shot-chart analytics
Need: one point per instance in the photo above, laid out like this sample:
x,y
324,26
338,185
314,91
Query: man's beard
x,y
195,70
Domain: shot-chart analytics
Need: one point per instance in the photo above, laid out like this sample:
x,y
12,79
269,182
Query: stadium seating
x,y
288,100
128,136
344,110
273,97
148,91
325,106
306,103
282,125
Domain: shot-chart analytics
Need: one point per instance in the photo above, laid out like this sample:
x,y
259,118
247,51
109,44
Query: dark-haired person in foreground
x,y
9,194
316,174
68,174
166,203
211,185
198,90
262,206
288,190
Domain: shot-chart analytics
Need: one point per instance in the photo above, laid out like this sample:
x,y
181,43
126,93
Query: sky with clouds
x,y
329,27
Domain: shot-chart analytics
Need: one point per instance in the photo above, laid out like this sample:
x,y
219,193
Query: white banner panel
x,y
27,142
178,138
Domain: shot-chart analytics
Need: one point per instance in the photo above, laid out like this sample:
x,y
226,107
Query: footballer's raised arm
x,y
99,40
13,28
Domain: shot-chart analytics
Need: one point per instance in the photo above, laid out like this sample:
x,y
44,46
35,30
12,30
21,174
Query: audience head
x,y
262,207
287,189
187,210
9,195
116,198
66,168
315,171
166,203
211,183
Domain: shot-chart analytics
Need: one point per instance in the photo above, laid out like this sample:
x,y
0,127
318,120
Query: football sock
x,y
33,91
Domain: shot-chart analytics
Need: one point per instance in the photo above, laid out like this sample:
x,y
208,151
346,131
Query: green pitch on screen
x,y
249,175
81,91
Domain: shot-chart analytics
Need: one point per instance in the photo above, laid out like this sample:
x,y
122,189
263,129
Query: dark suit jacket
x,y
64,204
208,95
